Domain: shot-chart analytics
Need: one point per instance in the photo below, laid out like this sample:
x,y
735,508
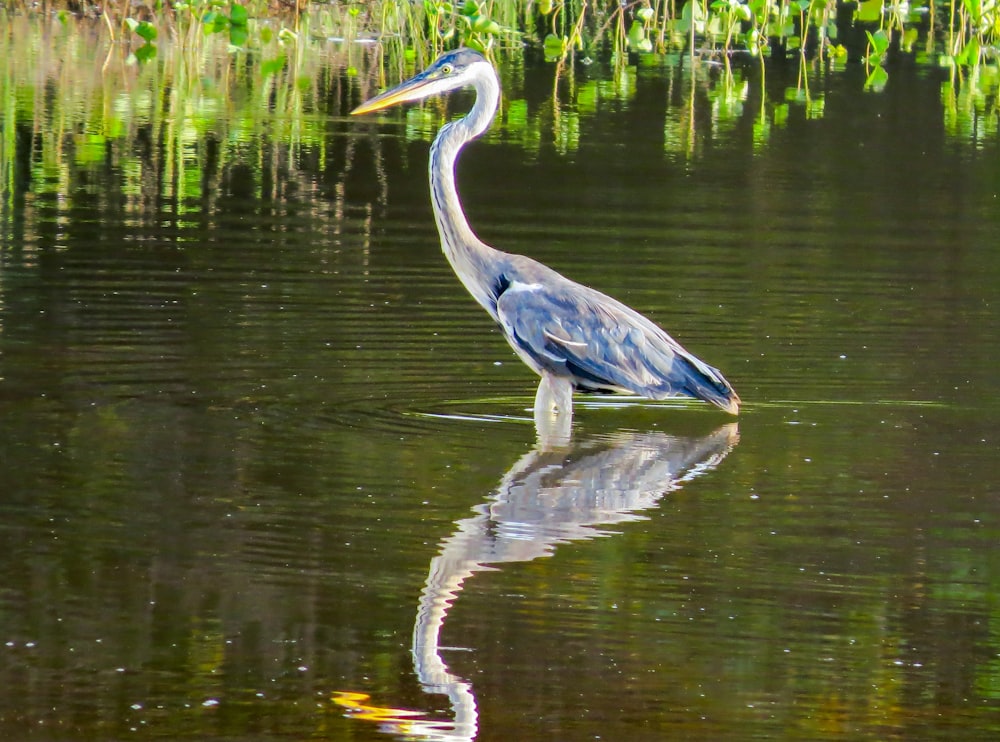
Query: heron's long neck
x,y
468,255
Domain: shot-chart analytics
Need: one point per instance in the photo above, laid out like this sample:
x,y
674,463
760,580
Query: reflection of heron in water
x,y
571,335
546,499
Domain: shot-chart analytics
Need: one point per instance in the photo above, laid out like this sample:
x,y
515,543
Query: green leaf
x,y
554,47
691,13
760,10
869,11
144,29
644,14
636,35
147,31
879,42
482,22
544,6
974,9
238,15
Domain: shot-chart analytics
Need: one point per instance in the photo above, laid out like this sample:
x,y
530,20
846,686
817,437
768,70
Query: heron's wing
x,y
569,329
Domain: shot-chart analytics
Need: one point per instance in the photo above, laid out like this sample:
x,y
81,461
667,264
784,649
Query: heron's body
x,y
573,336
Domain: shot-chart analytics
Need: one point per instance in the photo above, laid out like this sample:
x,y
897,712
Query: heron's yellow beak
x,y
413,89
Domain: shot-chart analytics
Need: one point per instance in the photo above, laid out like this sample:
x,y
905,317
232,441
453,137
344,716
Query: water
x,y
267,472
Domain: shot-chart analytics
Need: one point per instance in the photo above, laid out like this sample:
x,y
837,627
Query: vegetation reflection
x,y
74,97
77,92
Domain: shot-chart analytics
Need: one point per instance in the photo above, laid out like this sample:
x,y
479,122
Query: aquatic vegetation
x,y
198,66
964,32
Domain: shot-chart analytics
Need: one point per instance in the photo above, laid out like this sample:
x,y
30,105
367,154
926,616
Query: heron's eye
x,y
447,69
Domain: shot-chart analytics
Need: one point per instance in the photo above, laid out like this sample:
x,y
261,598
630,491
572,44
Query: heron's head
x,y
450,71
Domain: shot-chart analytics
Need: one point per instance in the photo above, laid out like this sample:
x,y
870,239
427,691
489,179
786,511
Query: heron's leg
x,y
555,395
554,411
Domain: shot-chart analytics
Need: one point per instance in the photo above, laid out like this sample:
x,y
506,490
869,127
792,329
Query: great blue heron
x,y
573,336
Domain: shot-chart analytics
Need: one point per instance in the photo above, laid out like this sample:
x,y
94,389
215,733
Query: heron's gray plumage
x,y
573,336
570,330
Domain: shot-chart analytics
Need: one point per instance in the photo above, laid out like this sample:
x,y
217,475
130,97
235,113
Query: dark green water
x,y
255,437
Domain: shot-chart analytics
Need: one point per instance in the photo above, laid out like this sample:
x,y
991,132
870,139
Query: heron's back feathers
x,y
563,328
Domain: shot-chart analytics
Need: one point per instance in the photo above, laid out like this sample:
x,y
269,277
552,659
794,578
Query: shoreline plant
x,y
956,33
